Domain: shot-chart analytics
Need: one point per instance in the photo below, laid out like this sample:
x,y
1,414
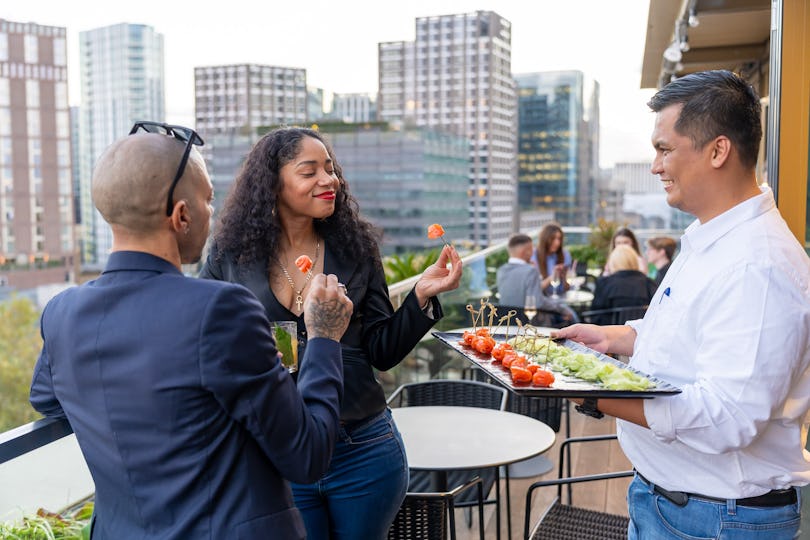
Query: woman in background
x,y
290,199
660,252
627,286
625,237
552,259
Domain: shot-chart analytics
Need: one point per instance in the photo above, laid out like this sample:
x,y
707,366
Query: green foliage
x,y
400,267
49,526
587,254
493,262
20,344
601,235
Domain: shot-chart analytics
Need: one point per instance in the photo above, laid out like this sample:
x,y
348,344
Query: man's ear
x,y
180,219
720,151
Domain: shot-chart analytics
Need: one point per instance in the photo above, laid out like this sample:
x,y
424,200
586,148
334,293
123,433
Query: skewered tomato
x,y
542,377
435,231
304,263
499,350
466,338
483,344
508,358
520,374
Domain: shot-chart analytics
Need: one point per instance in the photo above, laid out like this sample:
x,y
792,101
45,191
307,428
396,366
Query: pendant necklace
x,y
299,298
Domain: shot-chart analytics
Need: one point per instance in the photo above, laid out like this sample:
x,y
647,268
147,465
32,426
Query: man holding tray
x,y
729,325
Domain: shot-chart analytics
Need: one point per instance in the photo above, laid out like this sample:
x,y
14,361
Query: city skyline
x,y
337,46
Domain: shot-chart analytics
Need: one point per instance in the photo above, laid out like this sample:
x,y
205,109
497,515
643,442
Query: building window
x,y
3,47
31,49
5,96
32,94
59,55
33,123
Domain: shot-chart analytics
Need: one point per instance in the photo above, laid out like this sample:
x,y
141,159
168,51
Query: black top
x,y
377,336
624,288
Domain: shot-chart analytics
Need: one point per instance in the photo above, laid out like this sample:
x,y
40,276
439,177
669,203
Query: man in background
x,y
186,418
518,280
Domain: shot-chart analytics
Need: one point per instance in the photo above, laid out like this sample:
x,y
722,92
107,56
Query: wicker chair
x,y
567,522
425,515
457,393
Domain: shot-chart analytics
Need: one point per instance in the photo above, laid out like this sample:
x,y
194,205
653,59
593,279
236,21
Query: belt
x,y
775,497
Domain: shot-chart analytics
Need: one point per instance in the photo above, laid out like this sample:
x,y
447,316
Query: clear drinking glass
x,y
555,284
286,336
530,307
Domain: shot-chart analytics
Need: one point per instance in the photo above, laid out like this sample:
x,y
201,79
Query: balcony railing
x,y
41,465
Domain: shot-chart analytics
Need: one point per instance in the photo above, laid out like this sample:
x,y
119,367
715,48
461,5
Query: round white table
x,y
442,438
578,296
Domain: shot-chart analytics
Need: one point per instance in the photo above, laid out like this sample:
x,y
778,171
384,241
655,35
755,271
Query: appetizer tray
x,y
563,386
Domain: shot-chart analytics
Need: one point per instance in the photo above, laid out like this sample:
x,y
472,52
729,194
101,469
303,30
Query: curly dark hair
x,y
249,228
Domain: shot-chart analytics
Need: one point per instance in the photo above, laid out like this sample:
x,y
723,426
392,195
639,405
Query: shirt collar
x,y
516,260
139,260
699,236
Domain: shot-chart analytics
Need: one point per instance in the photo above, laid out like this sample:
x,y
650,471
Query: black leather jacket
x,y
377,336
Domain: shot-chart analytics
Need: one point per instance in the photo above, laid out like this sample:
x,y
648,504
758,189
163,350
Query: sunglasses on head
x,y
182,134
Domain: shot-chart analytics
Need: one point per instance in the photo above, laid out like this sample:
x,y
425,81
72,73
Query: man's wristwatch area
x,y
589,407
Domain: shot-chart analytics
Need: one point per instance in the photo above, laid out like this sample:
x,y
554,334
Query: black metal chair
x,y
616,315
567,522
425,515
457,393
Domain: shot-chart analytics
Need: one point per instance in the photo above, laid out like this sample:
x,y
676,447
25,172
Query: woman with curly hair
x,y
290,199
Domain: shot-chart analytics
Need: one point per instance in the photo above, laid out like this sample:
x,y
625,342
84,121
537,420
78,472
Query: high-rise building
x,y
122,82
36,206
353,108
234,103
244,97
314,104
404,180
558,145
456,76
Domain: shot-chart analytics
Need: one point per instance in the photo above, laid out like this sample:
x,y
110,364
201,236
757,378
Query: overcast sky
x,y
336,42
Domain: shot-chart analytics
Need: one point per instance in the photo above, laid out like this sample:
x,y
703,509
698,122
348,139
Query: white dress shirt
x,y
729,326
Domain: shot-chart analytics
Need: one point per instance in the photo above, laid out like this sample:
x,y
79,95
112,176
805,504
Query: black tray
x,y
563,386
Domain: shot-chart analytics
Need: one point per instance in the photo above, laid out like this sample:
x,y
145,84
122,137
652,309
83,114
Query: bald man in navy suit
x,y
186,418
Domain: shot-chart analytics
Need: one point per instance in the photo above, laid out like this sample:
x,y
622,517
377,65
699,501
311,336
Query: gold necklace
x,y
299,298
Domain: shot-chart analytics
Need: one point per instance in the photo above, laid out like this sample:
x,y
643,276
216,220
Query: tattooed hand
x,y
327,309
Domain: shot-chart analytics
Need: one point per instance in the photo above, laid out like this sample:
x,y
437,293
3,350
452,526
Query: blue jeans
x,y
364,487
653,517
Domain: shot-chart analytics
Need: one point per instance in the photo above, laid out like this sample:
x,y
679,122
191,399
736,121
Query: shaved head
x,y
132,177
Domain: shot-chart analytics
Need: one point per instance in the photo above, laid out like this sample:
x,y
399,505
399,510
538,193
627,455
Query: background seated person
x,y
552,259
625,237
518,278
660,252
625,287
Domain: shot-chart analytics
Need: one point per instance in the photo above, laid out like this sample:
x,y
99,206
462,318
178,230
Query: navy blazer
x,y
186,417
377,336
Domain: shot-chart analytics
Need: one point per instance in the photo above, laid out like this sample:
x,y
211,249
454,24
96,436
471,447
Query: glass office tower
x,y
558,144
